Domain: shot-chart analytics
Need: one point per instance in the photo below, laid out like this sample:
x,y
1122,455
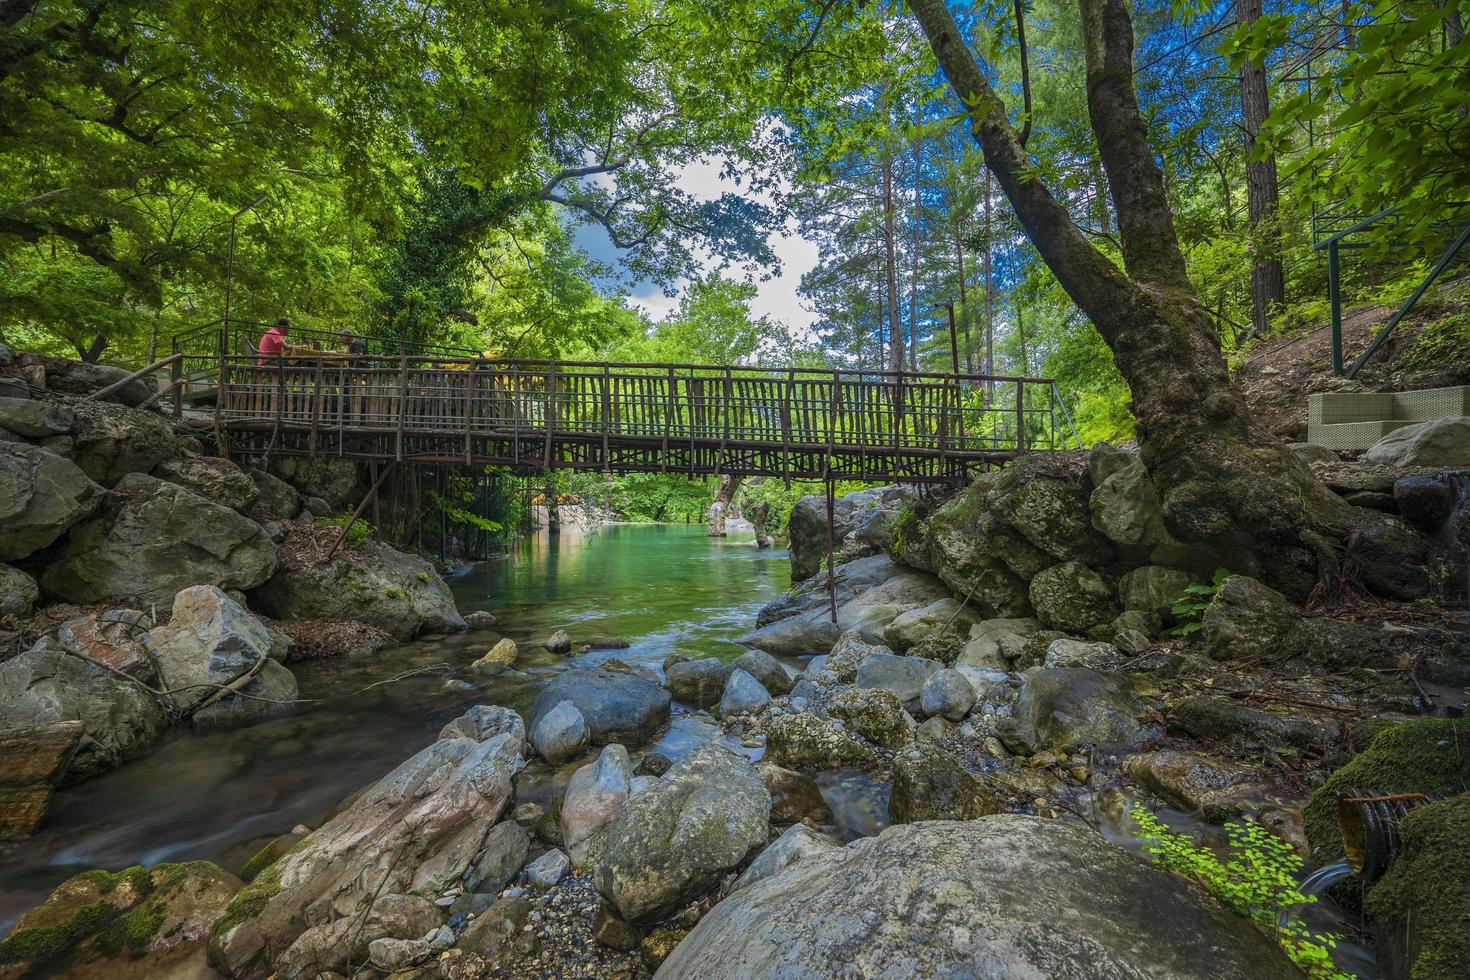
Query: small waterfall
x,y
1324,878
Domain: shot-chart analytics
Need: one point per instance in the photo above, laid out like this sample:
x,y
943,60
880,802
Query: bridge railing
x,y
648,404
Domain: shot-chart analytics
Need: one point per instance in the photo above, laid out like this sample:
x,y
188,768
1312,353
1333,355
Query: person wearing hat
x,y
351,343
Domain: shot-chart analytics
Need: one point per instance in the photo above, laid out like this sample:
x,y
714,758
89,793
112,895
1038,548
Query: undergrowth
x,y
1258,881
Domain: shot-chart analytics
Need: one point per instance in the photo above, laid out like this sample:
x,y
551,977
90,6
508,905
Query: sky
x,y
776,297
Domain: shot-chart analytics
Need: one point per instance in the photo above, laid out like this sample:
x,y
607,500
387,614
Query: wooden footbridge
x,y
441,406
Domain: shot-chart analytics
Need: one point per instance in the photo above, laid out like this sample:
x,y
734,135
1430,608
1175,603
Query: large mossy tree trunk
x,y
1225,482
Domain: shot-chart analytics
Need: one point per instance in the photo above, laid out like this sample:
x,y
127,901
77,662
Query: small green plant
x,y
1189,608
359,532
422,576
1258,881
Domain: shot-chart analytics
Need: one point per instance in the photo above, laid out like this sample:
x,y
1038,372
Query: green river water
x,y
220,794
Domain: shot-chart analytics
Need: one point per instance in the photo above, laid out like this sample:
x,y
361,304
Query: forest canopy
x,y
427,171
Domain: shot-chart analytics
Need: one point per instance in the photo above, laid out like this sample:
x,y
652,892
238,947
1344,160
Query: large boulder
x,y
215,479
1217,790
697,682
211,645
1126,507
806,741
131,925
154,539
870,512
1153,589
46,685
374,870
560,733
1442,442
871,593
334,481
1420,756
980,558
1246,618
1071,596
595,794
930,784
1421,908
1002,896
1067,707
275,500
766,669
36,758
372,583
112,441
114,638
743,695
1045,498
84,378
996,643
33,419
874,714
947,694
909,628
903,677
672,842
616,707
18,592
41,496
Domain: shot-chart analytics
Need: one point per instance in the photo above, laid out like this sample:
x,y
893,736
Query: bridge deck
x,y
791,423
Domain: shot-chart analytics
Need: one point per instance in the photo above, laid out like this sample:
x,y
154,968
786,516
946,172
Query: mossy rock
x,y
1426,755
874,714
97,921
1421,907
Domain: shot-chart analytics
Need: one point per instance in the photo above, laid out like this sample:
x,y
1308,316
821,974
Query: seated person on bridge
x,y
273,343
351,343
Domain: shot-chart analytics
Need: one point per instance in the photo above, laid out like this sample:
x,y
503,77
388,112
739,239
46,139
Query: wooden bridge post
x,y
469,410
669,410
402,405
606,414
550,419
316,407
786,429
1020,416
831,572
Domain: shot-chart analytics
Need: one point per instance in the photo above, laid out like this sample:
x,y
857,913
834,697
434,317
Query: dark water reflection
x,y
219,795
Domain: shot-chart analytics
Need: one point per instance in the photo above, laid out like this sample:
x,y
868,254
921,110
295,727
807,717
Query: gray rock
x,y
559,642
334,481
1126,508
46,685
909,628
214,479
766,669
1045,498
41,496
743,695
35,419
594,796
112,441
902,677
796,844
560,734
483,722
210,642
398,593
874,714
1105,459
871,512
871,592
617,707
1153,588
501,856
159,538
1068,707
1071,596
1003,896
977,556
1215,789
697,682
848,653
996,643
408,839
947,694
673,842
83,378
1442,442
275,499
810,742
549,869
479,619
1132,641
930,784
18,592
388,954
1079,653
114,638
1311,453
1246,618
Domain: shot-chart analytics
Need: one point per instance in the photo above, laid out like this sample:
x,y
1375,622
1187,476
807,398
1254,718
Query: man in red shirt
x,y
273,342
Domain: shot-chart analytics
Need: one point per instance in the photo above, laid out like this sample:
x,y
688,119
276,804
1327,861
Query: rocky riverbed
x,y
935,783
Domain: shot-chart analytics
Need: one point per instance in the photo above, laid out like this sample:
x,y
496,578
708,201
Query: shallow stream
x,y
221,794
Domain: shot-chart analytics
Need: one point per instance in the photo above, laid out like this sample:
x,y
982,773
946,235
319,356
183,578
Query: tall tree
x,y
1263,199
1225,482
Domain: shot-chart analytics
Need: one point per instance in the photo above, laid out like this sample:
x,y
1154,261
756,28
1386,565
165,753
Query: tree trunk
x,y
1230,491
989,296
959,257
1268,282
758,516
93,351
553,511
895,329
914,261
719,509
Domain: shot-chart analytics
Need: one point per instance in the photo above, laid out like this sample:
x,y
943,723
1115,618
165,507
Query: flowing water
x,y
221,794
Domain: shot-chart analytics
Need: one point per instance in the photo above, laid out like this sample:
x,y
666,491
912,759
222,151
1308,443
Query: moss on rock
x,y
1421,908
1426,755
